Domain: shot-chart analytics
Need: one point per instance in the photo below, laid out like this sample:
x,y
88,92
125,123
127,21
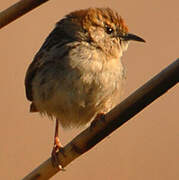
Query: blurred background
x,y
147,147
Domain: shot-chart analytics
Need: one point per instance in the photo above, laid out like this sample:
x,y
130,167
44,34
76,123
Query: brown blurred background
x,y
146,148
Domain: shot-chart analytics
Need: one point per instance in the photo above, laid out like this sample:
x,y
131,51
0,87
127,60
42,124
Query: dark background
x,y
146,148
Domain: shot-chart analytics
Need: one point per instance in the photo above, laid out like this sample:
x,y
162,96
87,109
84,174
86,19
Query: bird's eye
x,y
109,30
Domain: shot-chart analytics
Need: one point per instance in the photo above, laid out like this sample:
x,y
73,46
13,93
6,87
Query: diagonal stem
x,y
17,10
137,101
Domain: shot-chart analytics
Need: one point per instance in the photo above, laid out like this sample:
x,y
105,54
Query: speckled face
x,y
104,28
104,18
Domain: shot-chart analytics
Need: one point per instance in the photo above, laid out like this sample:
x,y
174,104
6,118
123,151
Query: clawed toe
x,y
54,159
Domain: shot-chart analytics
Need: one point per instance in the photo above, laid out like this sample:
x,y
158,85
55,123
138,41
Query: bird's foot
x,y
56,149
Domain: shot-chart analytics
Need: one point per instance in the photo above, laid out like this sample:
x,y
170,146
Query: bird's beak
x,y
132,37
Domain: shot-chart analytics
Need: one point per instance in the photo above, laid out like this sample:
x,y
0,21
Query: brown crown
x,y
98,17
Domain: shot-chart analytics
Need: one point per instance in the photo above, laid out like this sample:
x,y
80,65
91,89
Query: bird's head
x,y
101,27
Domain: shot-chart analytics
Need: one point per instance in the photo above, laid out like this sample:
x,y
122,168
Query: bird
x,y
78,73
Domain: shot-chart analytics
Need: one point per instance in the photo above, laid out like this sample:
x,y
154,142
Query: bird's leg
x,y
57,144
56,148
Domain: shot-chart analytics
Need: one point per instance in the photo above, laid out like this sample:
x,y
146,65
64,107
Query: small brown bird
x,y
77,74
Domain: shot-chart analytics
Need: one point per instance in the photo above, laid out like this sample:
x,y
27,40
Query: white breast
x,y
84,87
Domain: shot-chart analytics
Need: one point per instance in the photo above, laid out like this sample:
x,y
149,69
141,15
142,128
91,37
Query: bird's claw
x,y
54,159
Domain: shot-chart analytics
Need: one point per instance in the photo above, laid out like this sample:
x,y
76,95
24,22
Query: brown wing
x,y
33,68
55,37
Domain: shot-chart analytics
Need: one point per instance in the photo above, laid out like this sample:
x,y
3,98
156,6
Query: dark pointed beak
x,y
132,37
